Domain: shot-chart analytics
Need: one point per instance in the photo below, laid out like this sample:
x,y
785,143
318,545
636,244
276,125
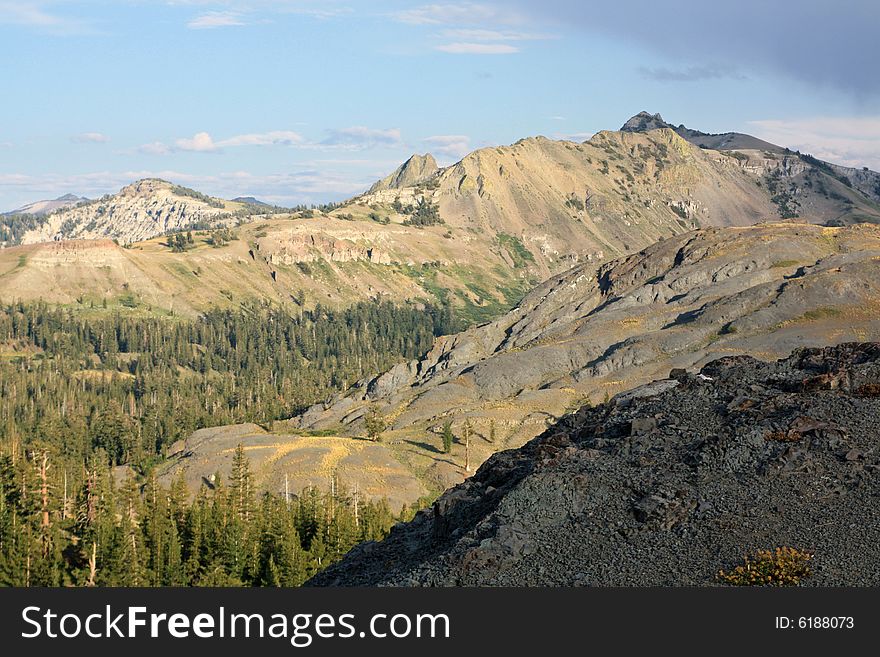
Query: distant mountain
x,y
40,208
144,209
250,200
478,234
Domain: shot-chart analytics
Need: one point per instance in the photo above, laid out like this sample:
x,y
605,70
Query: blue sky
x,y
298,102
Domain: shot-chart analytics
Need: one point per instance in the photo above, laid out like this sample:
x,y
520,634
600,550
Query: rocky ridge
x,y
598,329
142,210
666,484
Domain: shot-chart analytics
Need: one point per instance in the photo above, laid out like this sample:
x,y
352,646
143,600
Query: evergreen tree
x,y
448,437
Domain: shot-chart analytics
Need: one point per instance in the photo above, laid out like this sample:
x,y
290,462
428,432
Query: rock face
x,y
312,247
598,329
665,485
146,208
415,170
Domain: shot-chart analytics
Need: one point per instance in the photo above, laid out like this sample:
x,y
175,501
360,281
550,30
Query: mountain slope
x,y
142,210
771,160
415,170
666,485
596,330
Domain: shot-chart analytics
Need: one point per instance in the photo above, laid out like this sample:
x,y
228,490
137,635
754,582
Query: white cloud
x,y
90,137
214,19
305,186
492,35
470,28
363,137
450,146
574,136
275,138
201,142
451,14
853,142
32,14
155,148
460,48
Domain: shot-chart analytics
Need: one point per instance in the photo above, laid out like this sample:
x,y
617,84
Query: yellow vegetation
x,y
784,566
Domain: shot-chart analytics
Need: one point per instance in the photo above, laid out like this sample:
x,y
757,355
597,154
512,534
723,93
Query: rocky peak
x,y
146,187
416,169
643,121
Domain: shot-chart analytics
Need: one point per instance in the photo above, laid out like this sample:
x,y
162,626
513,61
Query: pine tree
x,y
448,437
374,423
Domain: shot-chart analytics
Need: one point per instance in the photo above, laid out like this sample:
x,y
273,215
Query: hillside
x,y
667,485
597,330
145,209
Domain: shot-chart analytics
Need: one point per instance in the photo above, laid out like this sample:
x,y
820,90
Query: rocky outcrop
x,y
725,141
312,247
417,169
644,121
145,209
665,485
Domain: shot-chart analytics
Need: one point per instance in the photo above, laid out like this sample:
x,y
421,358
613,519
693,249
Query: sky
x,y
299,101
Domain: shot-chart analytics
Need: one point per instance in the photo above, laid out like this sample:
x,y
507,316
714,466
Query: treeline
x,y
128,386
77,527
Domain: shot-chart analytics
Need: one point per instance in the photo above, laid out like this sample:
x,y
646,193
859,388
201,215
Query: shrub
x,y
783,436
869,390
784,566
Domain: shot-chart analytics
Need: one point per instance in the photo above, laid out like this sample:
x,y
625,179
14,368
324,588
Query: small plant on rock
x,y
784,566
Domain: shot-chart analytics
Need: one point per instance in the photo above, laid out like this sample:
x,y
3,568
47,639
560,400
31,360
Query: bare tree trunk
x,y
355,500
93,565
467,446
44,489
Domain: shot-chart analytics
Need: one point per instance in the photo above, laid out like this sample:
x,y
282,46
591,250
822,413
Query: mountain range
x,y
578,269
491,227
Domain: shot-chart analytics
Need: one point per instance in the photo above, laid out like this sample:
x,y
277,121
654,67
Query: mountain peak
x,y
644,121
416,169
146,186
